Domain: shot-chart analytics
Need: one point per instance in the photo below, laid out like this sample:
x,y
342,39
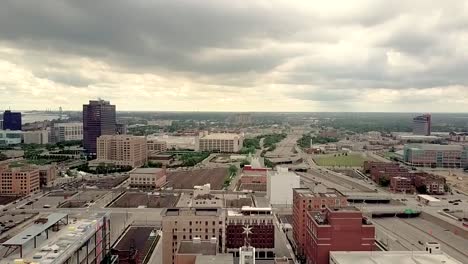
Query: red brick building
x,y
337,229
400,178
262,236
434,184
304,200
401,184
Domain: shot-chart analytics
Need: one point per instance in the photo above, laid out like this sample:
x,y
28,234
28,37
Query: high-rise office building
x,y
422,125
11,120
98,120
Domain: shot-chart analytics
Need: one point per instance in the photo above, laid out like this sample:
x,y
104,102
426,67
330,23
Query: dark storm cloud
x,y
145,34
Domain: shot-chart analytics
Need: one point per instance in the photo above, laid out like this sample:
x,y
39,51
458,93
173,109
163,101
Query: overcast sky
x,y
398,56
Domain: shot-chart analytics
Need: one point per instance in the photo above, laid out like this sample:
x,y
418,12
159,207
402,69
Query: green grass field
x,y
352,160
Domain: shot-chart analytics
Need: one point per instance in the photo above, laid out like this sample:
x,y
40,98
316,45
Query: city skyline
x,y
360,56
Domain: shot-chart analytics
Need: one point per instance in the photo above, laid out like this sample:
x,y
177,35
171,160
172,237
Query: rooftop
x,y
221,136
436,147
146,170
325,193
191,212
390,257
60,245
218,259
196,246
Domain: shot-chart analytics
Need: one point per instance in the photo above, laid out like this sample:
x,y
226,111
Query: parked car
x,y
446,210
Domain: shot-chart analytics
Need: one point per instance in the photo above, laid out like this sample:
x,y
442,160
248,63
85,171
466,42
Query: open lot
x,y
134,200
330,160
190,178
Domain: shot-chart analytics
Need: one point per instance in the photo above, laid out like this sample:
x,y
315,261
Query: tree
x,y
421,189
3,157
232,170
384,182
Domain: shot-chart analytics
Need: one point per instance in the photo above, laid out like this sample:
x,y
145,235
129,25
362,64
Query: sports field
x,y
339,160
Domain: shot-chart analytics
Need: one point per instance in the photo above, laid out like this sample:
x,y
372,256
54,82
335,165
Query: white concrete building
x,y
221,142
67,131
40,137
147,178
280,184
174,142
9,137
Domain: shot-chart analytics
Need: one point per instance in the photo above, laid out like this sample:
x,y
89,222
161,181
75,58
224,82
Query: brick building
x,y
337,229
304,200
180,224
262,226
434,184
18,181
401,184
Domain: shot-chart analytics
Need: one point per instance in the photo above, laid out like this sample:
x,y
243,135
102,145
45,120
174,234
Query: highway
x,y
410,233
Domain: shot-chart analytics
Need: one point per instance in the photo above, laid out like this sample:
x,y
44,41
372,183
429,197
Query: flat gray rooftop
x,y
391,257
200,247
29,233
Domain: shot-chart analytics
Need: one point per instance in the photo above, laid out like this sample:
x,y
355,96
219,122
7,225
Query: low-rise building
x,y
198,251
22,180
433,155
10,137
47,174
67,132
431,183
337,229
220,142
121,150
155,145
40,137
173,142
280,185
59,238
305,200
147,178
458,136
401,184
180,224
260,222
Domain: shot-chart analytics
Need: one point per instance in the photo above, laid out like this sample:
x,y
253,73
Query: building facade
x,y
262,228
422,125
147,178
433,155
122,150
47,175
305,200
8,137
98,119
180,224
12,120
337,229
402,184
155,145
67,132
19,181
40,137
220,142
280,185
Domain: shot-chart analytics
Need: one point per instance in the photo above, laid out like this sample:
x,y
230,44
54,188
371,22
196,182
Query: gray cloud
x,y
227,46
